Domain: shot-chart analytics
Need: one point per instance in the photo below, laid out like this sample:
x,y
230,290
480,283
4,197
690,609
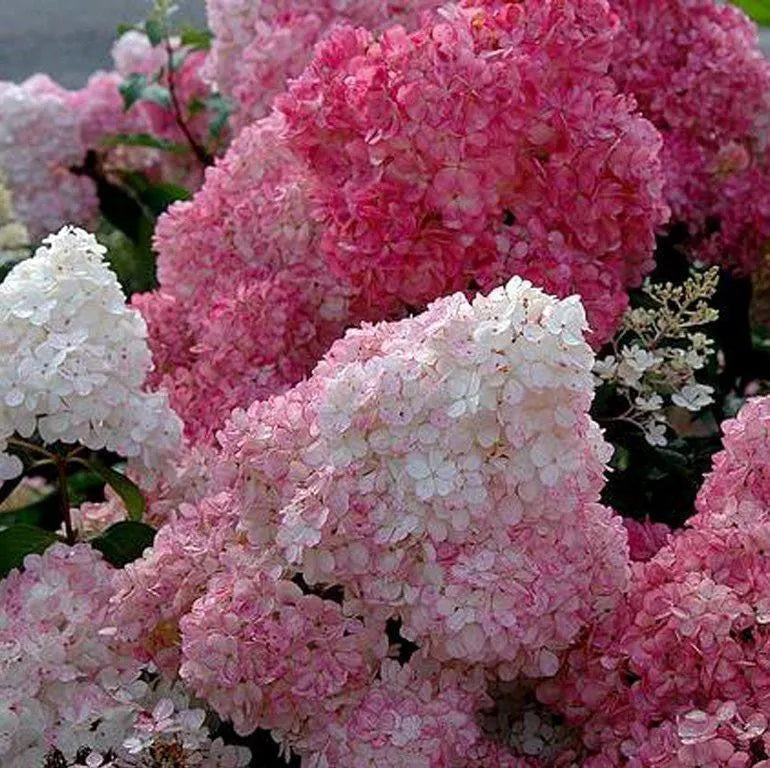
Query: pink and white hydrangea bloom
x,y
40,142
66,686
452,475
737,490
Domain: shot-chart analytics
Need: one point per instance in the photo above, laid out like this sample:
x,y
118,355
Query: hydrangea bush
x,y
366,397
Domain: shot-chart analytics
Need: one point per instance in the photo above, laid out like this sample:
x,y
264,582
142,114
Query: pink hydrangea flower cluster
x,y
407,719
737,491
645,538
264,654
677,676
67,686
489,142
100,109
246,307
58,675
352,204
442,471
152,593
259,46
685,61
472,418
40,142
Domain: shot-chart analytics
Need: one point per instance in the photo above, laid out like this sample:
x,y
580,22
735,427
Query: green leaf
x,y
43,513
84,486
221,109
195,106
18,541
155,197
197,39
158,197
136,88
133,262
758,10
122,28
124,542
157,94
143,140
127,490
131,90
120,208
154,30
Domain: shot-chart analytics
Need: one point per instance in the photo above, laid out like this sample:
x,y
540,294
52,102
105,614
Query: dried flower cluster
x,y
657,352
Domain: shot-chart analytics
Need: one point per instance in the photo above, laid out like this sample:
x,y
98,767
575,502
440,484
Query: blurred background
x,y
69,39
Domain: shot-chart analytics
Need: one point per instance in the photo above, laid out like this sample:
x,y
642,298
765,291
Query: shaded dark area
x,y
662,482
264,751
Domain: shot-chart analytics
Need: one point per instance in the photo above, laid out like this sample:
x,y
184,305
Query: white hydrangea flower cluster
x,y
74,357
454,474
657,353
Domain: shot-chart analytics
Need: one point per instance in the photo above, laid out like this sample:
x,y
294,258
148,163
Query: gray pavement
x,y
68,39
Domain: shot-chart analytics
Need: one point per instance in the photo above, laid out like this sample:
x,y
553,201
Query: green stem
x,y
204,157
31,447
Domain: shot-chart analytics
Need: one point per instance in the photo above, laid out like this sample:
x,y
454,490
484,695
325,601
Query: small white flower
x,y
633,364
649,403
693,397
435,475
606,367
655,433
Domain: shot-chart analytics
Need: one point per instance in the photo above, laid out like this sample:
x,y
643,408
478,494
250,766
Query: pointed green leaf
x,y
125,488
157,94
18,541
136,88
197,39
131,90
153,28
124,542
